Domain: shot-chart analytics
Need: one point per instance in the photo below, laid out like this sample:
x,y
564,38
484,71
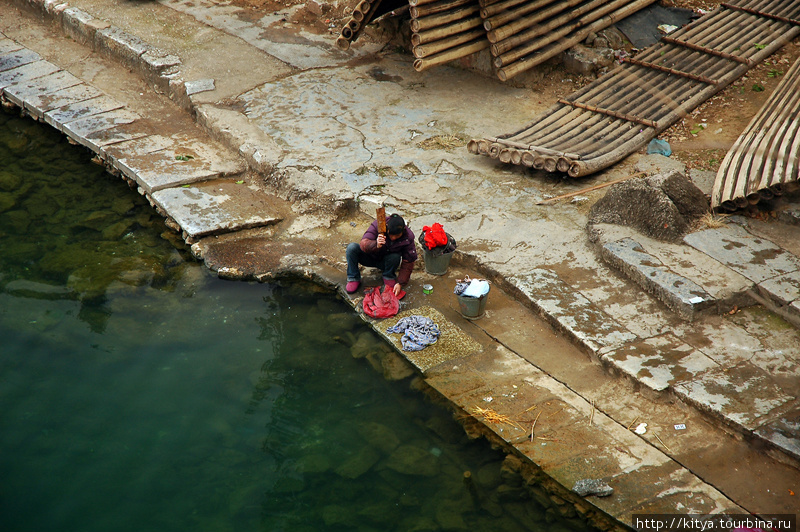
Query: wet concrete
x,y
298,142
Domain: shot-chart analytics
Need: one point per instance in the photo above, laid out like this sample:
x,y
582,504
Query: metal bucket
x,y
436,264
472,308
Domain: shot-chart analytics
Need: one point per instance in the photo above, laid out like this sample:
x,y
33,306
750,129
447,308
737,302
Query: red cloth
x,y
434,236
379,304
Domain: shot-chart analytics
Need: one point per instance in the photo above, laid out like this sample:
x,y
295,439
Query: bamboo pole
x,y
548,38
435,47
353,27
506,17
589,189
436,7
522,65
434,21
442,32
503,5
528,147
451,54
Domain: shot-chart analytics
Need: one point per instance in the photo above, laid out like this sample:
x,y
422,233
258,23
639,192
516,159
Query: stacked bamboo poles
x,y
363,13
764,160
622,111
445,30
526,33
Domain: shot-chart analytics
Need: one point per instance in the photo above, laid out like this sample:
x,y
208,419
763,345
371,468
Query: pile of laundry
x,y
379,304
418,332
436,240
467,287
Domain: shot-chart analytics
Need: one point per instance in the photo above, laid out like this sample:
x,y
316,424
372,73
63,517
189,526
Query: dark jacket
x,y
403,245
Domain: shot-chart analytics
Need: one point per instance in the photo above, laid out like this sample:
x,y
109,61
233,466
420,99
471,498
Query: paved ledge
x,y
679,293
122,138
774,271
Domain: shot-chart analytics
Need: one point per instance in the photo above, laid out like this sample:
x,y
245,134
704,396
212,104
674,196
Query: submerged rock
x,y
366,344
313,463
379,436
395,367
358,464
411,460
335,515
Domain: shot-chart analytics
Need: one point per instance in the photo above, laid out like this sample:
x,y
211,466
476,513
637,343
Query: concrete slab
x,y
660,362
723,340
682,295
726,286
753,257
157,162
27,71
17,58
39,105
121,45
39,89
784,433
742,394
98,130
452,344
8,45
784,289
82,109
572,312
217,207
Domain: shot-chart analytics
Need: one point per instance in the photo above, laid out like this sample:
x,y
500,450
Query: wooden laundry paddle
x,y
381,217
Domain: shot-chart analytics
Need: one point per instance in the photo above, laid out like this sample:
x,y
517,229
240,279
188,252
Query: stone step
x,y
774,271
682,295
170,170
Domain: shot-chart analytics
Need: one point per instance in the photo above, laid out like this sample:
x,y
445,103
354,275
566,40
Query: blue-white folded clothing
x,y
476,288
418,332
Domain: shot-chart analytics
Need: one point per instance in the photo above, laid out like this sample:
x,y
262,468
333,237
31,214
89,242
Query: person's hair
x,y
395,224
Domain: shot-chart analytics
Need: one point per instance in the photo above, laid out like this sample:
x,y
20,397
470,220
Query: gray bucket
x,y
472,308
436,264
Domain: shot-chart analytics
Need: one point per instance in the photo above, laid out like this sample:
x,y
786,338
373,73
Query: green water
x,y
138,392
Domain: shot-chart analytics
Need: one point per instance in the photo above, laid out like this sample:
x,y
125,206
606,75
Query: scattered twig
x,y
582,191
632,422
554,413
662,443
534,424
591,417
494,417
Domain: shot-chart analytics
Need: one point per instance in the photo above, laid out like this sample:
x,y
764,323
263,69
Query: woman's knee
x,y
352,250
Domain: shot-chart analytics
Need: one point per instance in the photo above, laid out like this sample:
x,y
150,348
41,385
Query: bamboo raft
x,y
441,30
445,30
521,34
764,159
622,111
526,33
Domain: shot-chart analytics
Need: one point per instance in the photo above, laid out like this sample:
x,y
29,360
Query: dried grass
x,y
442,142
493,417
712,220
